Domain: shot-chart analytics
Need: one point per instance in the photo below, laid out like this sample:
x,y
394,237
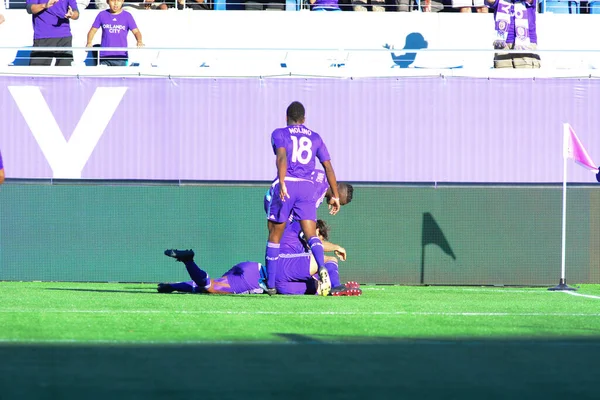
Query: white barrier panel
x,y
343,34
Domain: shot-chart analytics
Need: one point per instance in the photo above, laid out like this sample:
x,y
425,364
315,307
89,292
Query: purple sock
x,y
198,276
187,287
271,259
316,246
334,273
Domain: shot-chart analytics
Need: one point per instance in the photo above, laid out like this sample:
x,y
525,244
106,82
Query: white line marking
x,y
315,313
589,296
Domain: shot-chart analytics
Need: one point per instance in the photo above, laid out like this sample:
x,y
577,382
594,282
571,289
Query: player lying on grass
x,y
298,274
289,243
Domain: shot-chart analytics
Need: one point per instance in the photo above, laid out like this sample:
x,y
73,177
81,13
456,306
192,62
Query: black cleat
x,y
165,288
270,292
180,255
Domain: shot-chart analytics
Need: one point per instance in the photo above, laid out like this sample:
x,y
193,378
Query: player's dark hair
x,y
296,112
323,229
346,190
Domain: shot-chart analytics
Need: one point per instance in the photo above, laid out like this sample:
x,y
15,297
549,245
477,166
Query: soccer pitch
x,y
123,340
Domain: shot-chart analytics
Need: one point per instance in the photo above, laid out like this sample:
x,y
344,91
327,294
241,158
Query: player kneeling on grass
x,y
298,277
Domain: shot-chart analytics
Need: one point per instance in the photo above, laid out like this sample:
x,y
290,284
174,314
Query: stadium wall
x,y
394,234
402,129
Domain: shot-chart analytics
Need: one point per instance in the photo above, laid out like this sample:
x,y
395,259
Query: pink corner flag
x,y
575,150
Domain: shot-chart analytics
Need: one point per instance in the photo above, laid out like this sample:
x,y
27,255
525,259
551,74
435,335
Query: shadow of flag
x,y
432,234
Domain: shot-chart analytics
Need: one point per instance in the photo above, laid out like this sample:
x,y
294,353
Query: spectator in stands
x,y
515,25
51,28
467,6
325,5
1,170
363,5
116,24
194,4
1,9
101,4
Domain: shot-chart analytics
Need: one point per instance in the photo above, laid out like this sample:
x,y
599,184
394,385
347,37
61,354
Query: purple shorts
x,y
242,278
301,202
293,275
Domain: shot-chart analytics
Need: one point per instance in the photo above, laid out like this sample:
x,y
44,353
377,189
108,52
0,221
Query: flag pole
x,y
562,284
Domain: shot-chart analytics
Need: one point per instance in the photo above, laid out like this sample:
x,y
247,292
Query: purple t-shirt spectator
x,y
115,28
302,146
51,23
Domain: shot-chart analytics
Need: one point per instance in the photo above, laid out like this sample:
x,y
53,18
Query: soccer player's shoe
x,y
265,289
180,255
165,288
349,289
325,281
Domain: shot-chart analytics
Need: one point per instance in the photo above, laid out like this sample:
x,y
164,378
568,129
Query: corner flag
x,y
572,148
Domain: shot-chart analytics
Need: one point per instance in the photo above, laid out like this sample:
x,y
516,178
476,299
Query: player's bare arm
x,y
334,202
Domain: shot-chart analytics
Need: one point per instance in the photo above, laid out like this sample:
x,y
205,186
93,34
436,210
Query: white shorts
x,y
467,3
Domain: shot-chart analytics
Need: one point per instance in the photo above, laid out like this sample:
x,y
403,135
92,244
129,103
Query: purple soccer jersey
x,y
302,146
115,28
1,165
51,23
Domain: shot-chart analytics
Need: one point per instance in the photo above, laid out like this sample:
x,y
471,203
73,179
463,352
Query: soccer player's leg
x,y
316,247
278,213
184,287
199,276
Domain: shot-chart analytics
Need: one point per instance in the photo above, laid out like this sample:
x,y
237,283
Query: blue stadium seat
x,y
292,5
561,7
594,7
22,58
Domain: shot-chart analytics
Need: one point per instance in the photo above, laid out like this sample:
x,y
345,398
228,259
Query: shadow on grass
x,y
152,291
306,368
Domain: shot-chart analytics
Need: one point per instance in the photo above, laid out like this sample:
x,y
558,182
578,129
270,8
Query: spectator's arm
x,y
138,37
90,36
38,8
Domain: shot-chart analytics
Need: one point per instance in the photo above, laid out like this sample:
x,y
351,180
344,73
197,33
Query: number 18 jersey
x,y
302,146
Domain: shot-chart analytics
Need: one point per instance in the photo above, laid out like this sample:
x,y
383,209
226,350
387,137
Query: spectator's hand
x,y
499,44
89,45
1,18
140,44
50,3
69,13
283,193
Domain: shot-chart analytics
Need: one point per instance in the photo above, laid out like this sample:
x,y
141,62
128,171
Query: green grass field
x,y
92,340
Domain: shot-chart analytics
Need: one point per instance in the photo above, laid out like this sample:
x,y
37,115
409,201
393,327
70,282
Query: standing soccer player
x,y
296,149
